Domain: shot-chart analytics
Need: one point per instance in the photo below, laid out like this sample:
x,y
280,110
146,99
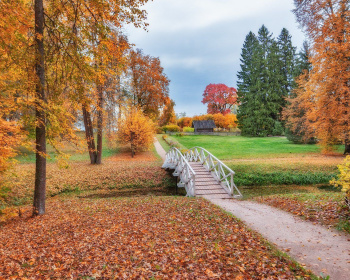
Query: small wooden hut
x,y
203,126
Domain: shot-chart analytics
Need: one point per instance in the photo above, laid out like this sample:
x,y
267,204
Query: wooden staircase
x,y
201,173
206,185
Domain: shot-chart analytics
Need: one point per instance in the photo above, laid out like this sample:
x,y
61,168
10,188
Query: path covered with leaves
x,y
128,238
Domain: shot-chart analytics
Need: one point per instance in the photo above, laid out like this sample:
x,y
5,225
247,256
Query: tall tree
x,y
327,23
247,79
220,98
287,56
298,128
302,62
149,83
257,110
40,131
168,115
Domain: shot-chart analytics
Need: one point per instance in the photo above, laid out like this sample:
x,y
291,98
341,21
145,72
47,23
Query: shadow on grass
x,y
256,191
134,193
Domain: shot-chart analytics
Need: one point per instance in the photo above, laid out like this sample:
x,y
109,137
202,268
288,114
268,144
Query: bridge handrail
x,y
222,172
174,159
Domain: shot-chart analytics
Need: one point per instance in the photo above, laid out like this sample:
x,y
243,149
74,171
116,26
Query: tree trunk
x,y
347,147
40,131
99,124
132,144
89,133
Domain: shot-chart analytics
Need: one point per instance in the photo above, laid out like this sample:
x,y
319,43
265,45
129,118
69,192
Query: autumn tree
x,y
136,129
220,98
149,84
168,115
184,122
326,92
57,63
298,127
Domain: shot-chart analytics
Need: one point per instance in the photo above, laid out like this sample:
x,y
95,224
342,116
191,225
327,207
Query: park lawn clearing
x,y
239,147
76,152
135,238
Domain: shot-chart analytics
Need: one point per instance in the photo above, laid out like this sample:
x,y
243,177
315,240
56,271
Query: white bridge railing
x,y
187,177
218,169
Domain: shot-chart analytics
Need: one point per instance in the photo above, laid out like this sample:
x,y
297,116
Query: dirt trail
x,y
318,248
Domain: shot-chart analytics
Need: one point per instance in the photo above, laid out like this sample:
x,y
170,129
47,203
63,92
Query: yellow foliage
x,y
10,138
343,177
138,130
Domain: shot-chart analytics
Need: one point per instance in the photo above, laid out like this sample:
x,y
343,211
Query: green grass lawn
x,y
238,147
75,153
272,169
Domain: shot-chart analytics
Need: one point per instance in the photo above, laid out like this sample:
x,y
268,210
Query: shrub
x,y
171,128
188,129
159,130
344,177
136,129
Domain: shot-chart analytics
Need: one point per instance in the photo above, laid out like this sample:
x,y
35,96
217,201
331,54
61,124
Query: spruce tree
x,y
287,56
264,82
247,80
276,90
302,62
254,114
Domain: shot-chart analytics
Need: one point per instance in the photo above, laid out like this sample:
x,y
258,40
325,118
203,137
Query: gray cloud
x,y
199,41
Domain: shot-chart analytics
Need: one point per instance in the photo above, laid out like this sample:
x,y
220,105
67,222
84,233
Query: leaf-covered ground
x,y
140,175
326,209
137,238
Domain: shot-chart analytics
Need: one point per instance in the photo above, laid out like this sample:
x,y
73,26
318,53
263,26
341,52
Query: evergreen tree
x,y
256,115
302,62
287,55
276,90
247,79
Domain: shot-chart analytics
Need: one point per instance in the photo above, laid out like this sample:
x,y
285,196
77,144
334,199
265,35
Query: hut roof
x,y
203,124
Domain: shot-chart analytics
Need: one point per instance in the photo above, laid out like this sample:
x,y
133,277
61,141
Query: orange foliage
x,y
137,129
326,93
226,121
150,86
10,137
168,114
184,122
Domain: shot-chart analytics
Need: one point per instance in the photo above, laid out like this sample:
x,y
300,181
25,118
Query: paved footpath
x,y
315,246
160,150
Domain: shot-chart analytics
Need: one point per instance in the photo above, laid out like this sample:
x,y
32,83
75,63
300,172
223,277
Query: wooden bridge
x,y
201,173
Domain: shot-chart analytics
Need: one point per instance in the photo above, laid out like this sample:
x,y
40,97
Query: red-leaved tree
x,y
220,98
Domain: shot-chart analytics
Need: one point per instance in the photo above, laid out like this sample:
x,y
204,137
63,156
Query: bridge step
x,y
222,196
202,192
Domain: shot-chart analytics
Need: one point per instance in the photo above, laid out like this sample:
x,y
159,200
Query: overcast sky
x,y
199,41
